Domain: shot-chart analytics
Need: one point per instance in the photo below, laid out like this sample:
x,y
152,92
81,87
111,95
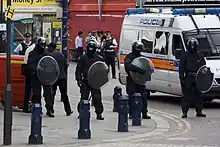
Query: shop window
x,y
161,43
176,43
147,40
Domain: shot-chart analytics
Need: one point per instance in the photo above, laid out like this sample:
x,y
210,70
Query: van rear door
x,y
160,60
177,43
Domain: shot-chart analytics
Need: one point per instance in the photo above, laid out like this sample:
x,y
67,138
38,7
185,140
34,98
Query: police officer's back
x,y
82,68
190,63
131,86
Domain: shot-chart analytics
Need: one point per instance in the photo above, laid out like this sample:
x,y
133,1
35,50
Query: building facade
x,y
86,15
37,17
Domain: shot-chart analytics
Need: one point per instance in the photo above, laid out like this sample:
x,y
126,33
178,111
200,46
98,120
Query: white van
x,y
164,34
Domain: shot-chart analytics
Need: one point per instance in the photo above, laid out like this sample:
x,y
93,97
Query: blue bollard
x,y
116,95
36,124
136,107
84,120
123,109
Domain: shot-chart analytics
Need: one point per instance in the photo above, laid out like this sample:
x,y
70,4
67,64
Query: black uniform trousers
x,y
132,88
27,93
96,96
110,61
49,99
62,84
79,52
37,89
191,95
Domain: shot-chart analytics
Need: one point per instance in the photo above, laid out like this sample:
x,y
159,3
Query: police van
x,y
164,33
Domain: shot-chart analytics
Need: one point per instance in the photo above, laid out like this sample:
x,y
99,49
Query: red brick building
x,y
85,16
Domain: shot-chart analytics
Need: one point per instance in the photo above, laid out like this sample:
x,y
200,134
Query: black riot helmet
x,y
192,45
41,43
91,48
137,47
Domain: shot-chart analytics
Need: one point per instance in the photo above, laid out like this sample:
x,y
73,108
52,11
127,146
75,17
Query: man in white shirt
x,y
22,47
79,45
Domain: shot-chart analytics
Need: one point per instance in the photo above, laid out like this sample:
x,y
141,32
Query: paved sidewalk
x,y
62,130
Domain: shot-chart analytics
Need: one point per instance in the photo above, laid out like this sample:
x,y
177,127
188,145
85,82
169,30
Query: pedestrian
x,y
82,68
34,57
22,47
190,62
79,44
109,45
88,37
62,80
26,73
131,86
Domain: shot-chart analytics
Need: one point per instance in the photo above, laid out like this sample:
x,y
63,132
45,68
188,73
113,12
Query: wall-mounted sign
x,y
3,27
178,1
33,5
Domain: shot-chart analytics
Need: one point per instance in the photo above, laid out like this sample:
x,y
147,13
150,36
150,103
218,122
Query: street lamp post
x,y
1,10
140,3
8,90
65,28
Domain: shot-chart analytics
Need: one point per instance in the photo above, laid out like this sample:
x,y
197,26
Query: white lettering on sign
x,y
152,21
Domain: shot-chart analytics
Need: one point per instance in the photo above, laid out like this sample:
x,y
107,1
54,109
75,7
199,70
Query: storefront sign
x,y
33,5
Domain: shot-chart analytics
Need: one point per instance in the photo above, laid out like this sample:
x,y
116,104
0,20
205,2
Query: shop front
x,y
36,17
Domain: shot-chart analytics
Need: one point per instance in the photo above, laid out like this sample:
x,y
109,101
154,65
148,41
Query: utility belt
x,y
109,50
192,74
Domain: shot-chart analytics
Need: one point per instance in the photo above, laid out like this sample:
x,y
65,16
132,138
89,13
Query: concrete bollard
x,y
136,107
123,109
84,120
116,95
36,125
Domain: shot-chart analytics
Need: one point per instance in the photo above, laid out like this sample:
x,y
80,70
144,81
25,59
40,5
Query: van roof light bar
x,y
188,11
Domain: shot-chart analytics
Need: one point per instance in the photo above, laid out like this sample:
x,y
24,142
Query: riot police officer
x,y
33,59
82,68
190,63
131,86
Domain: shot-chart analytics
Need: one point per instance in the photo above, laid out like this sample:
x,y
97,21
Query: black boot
x,y
50,114
145,116
200,115
99,117
69,113
184,115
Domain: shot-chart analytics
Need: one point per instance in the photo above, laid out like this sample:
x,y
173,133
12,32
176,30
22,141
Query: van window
x,y
128,37
177,43
147,40
161,43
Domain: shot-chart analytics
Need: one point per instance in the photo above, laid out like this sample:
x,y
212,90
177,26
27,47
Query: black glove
x,y
79,84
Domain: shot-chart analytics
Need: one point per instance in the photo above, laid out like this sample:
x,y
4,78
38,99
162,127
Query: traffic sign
x,y
2,27
9,12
